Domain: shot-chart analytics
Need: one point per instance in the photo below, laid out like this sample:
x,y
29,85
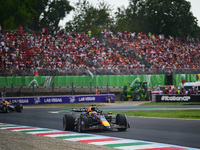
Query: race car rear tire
x,y
18,108
68,122
122,121
82,124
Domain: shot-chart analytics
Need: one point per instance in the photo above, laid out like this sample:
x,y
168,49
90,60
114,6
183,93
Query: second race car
x,y
6,106
93,119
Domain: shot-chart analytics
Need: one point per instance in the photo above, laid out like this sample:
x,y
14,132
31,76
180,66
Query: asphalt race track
x,y
169,131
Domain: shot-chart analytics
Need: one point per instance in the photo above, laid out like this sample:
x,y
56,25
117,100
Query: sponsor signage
x,y
176,98
60,99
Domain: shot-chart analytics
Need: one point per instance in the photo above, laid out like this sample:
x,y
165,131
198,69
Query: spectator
x,y
109,99
166,91
36,73
19,93
3,93
182,91
97,91
178,91
70,53
73,90
173,91
160,91
20,30
90,33
192,91
189,91
196,90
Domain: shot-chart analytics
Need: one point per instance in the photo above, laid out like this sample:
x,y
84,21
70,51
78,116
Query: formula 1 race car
x,y
5,107
93,119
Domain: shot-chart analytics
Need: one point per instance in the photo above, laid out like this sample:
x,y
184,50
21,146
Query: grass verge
x,y
181,114
66,105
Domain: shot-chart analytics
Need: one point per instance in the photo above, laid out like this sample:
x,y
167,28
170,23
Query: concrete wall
x,y
48,91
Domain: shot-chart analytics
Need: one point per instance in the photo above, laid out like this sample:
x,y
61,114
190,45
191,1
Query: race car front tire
x,y
68,122
18,108
5,108
122,121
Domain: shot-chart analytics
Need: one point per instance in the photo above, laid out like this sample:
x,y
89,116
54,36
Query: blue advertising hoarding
x,y
101,98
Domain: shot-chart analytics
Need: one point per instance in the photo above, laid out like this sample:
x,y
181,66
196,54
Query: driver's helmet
x,y
93,113
5,101
92,108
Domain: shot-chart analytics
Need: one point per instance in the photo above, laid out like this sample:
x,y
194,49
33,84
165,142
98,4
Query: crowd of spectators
x,y
180,90
71,53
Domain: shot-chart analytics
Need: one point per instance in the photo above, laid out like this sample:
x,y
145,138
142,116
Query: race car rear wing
x,y
79,109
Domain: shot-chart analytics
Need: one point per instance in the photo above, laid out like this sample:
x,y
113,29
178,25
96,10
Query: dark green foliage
x,y
168,17
87,17
31,13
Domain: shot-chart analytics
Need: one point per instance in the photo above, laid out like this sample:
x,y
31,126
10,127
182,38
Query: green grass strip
x,y
126,144
7,126
169,103
124,109
25,131
64,111
75,136
67,105
129,109
181,114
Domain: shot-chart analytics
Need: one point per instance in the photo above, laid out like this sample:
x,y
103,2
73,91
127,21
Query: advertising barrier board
x,y
176,98
101,98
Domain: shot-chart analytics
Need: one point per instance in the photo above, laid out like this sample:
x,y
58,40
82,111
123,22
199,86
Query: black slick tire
x,y
68,122
18,108
122,121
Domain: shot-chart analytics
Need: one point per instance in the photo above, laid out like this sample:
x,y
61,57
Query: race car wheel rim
x,y
80,125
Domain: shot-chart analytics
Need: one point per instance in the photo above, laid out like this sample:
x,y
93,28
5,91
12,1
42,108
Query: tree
x,y
15,13
30,14
132,17
170,17
88,17
121,20
55,12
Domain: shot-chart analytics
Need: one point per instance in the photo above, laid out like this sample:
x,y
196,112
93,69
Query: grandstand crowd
x,y
74,53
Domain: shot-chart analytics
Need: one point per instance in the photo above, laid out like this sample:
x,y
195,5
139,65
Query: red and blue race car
x,y
93,119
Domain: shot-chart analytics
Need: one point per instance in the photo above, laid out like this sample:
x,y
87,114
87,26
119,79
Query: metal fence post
x,y
33,90
90,87
53,88
72,91
12,89
108,89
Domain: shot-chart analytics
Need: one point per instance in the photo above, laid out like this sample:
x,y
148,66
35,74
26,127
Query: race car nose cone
x,y
105,123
